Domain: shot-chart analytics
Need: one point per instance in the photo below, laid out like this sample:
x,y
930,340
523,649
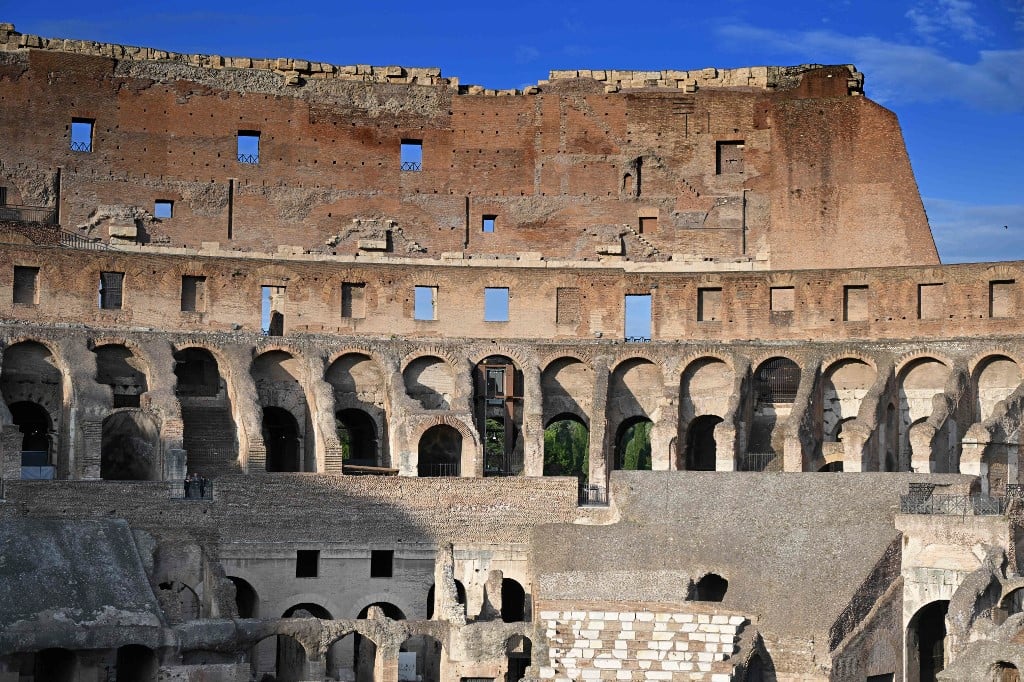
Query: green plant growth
x,y
634,452
567,449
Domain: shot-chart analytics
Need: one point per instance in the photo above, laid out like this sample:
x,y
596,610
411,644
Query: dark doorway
x,y
460,596
136,663
712,587
128,451
440,452
513,601
197,373
357,434
246,599
701,448
281,438
926,641
55,665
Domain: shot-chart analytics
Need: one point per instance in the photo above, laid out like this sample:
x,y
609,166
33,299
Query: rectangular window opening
x,y
272,310
425,304
111,290
488,223
729,157
783,299
163,208
855,303
353,300
26,285
638,317
412,155
648,225
307,563
249,146
81,134
382,563
709,304
931,301
1000,298
495,304
3,196
193,294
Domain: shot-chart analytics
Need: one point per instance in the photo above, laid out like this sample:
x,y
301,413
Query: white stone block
x,y
721,677
719,619
662,617
647,655
736,620
705,657
627,617
546,673
607,663
688,627
703,618
549,615
645,617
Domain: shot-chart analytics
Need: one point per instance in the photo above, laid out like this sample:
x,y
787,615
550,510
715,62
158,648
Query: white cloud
x,y
905,73
976,232
526,53
930,20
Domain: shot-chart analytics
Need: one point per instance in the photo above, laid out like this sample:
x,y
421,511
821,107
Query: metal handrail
x,y
638,339
755,461
439,469
964,505
252,159
193,490
77,241
29,214
81,146
412,165
592,495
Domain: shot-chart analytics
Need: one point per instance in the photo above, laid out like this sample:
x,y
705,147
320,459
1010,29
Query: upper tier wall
x,y
776,167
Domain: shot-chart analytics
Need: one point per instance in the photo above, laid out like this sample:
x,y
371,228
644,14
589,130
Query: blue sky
x,y
953,70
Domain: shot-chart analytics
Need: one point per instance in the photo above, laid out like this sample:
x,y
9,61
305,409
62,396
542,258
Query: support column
x,y
320,398
598,423
10,442
533,422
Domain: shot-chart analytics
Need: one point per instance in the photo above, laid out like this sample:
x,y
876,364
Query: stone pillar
x,y
385,665
533,422
446,596
403,452
248,413
491,609
598,426
92,443
665,432
10,442
320,398
725,447
855,437
162,402
921,438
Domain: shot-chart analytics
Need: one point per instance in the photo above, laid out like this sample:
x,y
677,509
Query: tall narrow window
x,y
495,304
81,134
307,563
272,313
709,304
648,225
26,285
193,294
3,196
111,290
488,223
1000,298
249,146
163,208
638,317
353,300
412,155
425,304
931,301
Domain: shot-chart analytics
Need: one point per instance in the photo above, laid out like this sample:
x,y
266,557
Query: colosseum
x,y
319,372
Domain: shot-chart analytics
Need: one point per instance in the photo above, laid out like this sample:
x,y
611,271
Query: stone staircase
x,y
210,437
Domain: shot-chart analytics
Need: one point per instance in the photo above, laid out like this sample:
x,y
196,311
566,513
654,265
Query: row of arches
x,y
717,412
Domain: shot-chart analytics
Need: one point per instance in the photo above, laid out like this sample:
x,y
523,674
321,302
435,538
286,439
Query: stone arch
x,y
209,435
125,372
519,650
514,354
35,390
1004,671
430,380
710,587
498,406
773,388
360,389
777,380
993,378
926,642
439,452
706,389
136,663
130,447
366,648
247,599
514,601
429,351
633,444
567,446
279,387
701,446
281,656
919,380
430,653
178,601
844,384
635,387
567,386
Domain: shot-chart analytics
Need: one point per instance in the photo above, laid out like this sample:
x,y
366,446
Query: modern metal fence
x,y
638,339
592,495
77,241
755,461
962,505
412,166
29,214
251,159
438,469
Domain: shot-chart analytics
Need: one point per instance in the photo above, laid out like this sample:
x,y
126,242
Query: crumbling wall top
x,y
296,72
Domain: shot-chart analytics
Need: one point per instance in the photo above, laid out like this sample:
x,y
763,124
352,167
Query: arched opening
x,y
995,378
843,387
209,437
711,587
919,382
247,602
420,656
832,467
292,656
567,448
460,597
513,601
440,452
136,663
777,381
633,445
357,434
498,404
775,384
281,438
33,421
431,382
55,665
281,658
926,642
519,650
701,448
118,368
129,450
1003,671
365,650
178,601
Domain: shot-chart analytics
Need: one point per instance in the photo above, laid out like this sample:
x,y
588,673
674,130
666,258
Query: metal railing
x,y
77,241
29,214
83,146
200,491
438,469
638,339
755,461
39,473
412,165
592,495
963,505
251,159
